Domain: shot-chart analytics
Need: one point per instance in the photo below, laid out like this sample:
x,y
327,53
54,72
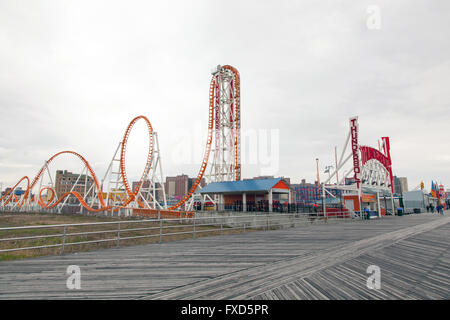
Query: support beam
x,y
270,200
336,163
337,169
222,201
360,202
392,203
378,204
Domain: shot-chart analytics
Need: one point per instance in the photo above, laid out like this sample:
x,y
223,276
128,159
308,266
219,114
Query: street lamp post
x,y
317,167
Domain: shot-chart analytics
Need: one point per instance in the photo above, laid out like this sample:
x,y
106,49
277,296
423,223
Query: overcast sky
x,y
73,74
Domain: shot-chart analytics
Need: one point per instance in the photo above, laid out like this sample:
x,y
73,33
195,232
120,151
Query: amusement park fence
x,y
263,206
116,231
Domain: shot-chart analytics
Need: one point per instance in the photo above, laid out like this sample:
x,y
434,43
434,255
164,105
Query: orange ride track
x,y
132,193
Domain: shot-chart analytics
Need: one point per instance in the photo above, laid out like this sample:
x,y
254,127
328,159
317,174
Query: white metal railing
x,y
221,224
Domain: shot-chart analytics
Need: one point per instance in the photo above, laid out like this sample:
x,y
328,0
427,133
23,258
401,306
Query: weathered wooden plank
x,y
308,262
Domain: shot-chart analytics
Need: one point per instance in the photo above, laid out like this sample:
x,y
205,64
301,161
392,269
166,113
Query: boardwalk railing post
x,y
194,229
160,230
63,240
118,235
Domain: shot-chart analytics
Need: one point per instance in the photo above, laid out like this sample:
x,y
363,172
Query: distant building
x,y
310,193
65,181
400,184
259,178
7,190
178,186
18,191
144,190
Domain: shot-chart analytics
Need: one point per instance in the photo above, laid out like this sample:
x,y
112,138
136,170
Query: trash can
x,y
399,211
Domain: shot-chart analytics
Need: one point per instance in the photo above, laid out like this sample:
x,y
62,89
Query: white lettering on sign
x,y
355,148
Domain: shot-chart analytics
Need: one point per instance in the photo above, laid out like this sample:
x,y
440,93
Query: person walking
x,y
366,213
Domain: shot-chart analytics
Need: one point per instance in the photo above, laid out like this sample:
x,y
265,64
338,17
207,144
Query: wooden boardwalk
x,y
311,262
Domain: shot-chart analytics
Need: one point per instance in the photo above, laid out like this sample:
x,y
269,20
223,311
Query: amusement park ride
x,y
224,126
371,168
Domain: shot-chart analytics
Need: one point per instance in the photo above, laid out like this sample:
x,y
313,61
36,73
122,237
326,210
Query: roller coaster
x,y
225,164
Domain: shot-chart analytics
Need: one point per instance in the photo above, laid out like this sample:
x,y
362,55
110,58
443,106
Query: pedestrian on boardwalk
x,y
366,213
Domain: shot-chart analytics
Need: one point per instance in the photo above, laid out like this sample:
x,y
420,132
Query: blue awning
x,y
241,186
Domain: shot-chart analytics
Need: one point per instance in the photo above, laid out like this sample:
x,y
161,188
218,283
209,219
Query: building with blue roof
x,y
249,195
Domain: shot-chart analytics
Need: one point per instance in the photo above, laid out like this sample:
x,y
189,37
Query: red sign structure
x,y
369,153
387,152
355,147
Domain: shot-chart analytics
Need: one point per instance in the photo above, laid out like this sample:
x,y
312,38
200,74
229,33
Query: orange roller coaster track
x,y
10,195
237,125
103,207
132,193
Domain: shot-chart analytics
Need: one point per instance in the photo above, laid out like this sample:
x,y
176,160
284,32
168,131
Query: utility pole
x,y
323,202
336,163
317,165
